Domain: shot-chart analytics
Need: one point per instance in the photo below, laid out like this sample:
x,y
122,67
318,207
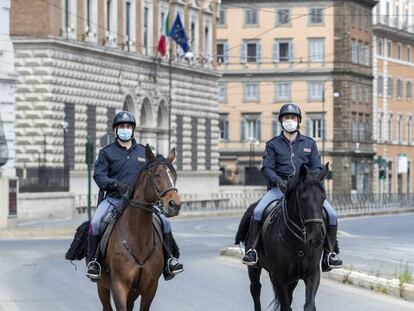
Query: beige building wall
x,y
394,55
335,72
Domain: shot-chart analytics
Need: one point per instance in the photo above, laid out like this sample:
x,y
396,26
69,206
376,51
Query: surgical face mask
x,y
124,134
290,126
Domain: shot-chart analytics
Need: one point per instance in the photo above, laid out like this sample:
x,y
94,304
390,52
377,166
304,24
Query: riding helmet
x,y
124,117
290,109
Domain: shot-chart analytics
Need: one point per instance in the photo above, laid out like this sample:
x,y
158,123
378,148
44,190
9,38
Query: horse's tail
x,y
243,230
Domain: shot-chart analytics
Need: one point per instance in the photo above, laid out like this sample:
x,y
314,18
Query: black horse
x,y
292,244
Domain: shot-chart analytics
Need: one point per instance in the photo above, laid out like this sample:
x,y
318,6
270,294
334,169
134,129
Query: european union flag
x,y
177,33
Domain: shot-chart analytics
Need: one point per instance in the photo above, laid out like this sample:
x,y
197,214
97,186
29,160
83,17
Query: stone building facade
x,y
7,87
315,54
78,66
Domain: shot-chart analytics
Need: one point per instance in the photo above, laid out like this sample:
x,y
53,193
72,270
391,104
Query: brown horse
x,y
134,256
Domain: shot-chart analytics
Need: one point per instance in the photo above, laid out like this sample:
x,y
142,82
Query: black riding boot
x,y
93,269
251,258
330,259
172,265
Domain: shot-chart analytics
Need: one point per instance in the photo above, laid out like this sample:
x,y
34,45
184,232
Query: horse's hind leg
x,y
105,298
291,288
255,286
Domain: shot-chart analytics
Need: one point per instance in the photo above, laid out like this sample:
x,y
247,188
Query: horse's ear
x,y
302,172
324,172
149,154
171,155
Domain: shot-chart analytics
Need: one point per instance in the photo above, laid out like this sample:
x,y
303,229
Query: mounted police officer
x,y
283,156
116,171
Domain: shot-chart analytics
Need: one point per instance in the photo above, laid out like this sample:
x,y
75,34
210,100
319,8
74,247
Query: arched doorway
x,y
162,126
148,135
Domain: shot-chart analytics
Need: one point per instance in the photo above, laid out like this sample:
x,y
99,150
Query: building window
x,y
108,15
250,127
250,17
353,92
315,125
408,54
380,86
316,16
409,126
389,128
222,17
251,52
354,48
282,51
88,14
380,129
128,20
409,90
145,30
222,53
399,88
283,17
222,91
390,87
315,91
224,126
276,127
251,92
380,44
316,50
283,91
399,51
399,129
389,48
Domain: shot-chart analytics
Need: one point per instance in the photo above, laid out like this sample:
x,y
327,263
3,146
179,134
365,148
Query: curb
x,y
391,287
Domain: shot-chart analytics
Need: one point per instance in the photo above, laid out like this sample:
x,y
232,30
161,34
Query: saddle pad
x,y
270,212
103,244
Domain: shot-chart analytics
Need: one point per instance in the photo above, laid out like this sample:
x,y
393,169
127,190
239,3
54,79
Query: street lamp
x,y
335,95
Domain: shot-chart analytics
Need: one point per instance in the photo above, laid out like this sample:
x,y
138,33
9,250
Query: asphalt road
x,y
34,276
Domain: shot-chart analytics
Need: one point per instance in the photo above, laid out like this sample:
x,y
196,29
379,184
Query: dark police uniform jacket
x,y
116,163
280,154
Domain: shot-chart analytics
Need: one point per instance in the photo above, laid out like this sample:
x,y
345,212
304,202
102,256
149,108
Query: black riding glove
x,y
121,187
282,184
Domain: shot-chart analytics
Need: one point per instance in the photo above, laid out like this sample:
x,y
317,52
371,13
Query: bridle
x,y
149,207
298,230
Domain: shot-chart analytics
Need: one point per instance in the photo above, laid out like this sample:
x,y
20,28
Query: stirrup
x,y
251,263
93,276
329,265
175,272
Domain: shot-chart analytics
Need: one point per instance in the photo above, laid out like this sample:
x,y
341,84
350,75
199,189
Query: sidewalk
x,y
391,287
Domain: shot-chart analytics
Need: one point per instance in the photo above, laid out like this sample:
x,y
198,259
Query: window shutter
x,y
242,134
308,127
323,125
290,51
258,52
243,53
275,56
226,53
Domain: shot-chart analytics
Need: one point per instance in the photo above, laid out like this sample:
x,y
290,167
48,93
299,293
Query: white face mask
x,y
290,126
124,134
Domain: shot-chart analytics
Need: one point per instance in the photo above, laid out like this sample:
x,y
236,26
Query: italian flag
x,y
162,43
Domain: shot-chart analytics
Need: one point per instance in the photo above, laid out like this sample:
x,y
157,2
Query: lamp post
x,y
335,95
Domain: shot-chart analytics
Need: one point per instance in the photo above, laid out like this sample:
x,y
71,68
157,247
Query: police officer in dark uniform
x,y
283,156
116,171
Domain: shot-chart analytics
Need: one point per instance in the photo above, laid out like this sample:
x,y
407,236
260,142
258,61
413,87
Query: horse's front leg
x,y
281,294
312,284
148,296
120,293
255,286
105,297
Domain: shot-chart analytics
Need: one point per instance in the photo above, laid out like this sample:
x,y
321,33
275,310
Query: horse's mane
x,y
312,177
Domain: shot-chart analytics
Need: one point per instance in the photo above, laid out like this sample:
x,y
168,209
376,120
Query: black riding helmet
x,y
290,109
124,117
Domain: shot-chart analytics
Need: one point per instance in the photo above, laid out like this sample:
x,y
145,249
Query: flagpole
x,y
170,94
